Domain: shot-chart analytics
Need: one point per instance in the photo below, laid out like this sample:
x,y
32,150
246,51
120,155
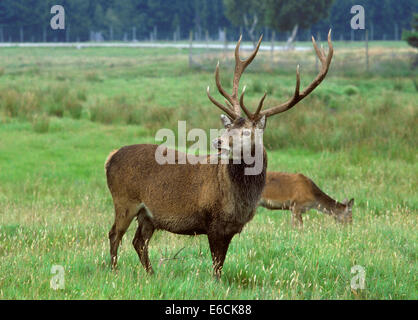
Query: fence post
x,y
155,33
226,41
273,35
190,48
67,33
367,50
371,32
134,34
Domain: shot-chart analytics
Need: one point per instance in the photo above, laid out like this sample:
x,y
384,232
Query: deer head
x,y
242,133
346,214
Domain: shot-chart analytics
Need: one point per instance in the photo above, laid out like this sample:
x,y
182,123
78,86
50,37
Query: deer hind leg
x,y
219,244
142,237
297,221
124,215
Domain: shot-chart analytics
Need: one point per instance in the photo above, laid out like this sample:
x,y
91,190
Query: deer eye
x,y
246,133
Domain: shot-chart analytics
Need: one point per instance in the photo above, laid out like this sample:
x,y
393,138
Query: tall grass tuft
x,y
74,107
351,90
10,101
56,109
21,105
92,77
40,123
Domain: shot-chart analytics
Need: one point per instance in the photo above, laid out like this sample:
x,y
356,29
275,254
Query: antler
x,y
298,96
232,99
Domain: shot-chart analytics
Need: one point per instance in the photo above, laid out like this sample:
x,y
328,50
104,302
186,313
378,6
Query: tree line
x,y
85,20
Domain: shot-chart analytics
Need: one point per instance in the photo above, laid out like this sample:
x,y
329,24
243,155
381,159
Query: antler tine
x,y
233,104
247,61
228,111
260,105
321,54
330,48
241,103
240,65
322,50
229,105
219,86
325,62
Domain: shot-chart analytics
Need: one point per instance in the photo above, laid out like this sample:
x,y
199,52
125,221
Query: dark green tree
x,y
411,36
280,15
287,15
29,19
247,13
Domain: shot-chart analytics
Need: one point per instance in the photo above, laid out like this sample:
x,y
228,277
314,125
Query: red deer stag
x,y
192,199
295,192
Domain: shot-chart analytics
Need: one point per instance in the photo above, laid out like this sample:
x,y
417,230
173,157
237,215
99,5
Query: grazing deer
x,y
295,192
192,199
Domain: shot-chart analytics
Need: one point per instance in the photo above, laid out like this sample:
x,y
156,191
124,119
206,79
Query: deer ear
x,y
226,121
350,203
261,124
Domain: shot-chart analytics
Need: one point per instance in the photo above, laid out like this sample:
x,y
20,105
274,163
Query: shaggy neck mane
x,y
247,188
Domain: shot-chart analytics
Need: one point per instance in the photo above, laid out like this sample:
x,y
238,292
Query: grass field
x,y
63,110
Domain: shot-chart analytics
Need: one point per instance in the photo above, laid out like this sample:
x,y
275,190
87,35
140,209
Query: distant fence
x,y
167,44
348,59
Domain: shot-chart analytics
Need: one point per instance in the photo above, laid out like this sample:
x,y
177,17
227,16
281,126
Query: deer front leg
x,y
219,243
297,221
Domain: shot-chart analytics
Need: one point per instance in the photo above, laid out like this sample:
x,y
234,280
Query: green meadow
x,y
62,110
